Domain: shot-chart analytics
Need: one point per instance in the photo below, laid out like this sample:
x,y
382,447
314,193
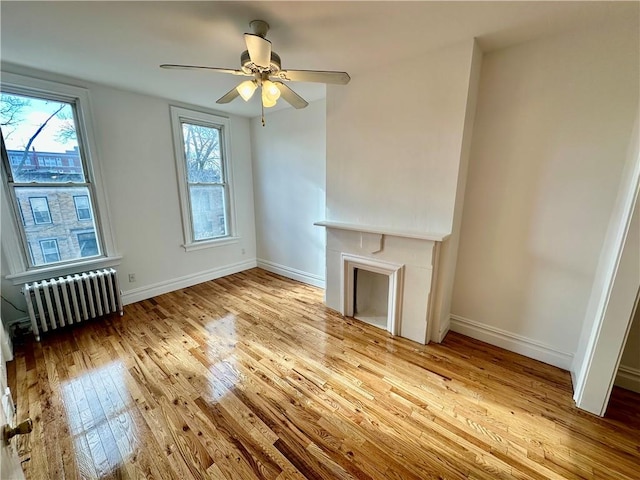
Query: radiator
x,y
63,301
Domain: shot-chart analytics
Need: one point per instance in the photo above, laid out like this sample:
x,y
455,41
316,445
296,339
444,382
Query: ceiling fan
x,y
264,65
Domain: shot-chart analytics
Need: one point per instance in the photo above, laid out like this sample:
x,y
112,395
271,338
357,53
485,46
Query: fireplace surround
x,y
409,259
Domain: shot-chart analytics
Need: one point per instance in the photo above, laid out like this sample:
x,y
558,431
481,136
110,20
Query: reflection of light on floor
x,y
220,353
98,412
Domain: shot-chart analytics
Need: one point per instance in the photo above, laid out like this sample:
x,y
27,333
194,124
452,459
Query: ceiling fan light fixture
x,y
266,101
246,89
270,90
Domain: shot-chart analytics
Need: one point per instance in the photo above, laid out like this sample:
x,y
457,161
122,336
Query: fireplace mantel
x,y
434,237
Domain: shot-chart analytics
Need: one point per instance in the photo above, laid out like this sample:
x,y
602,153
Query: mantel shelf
x,y
434,237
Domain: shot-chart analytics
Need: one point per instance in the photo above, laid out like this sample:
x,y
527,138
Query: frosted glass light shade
x,y
266,100
270,90
268,103
246,89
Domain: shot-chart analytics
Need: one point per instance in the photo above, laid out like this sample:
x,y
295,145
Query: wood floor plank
x,y
251,377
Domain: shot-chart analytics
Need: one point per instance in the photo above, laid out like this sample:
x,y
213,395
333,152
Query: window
x,y
38,130
83,210
50,252
88,244
40,210
204,176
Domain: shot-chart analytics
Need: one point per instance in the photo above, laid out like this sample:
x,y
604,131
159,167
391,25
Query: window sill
x,y
190,247
38,274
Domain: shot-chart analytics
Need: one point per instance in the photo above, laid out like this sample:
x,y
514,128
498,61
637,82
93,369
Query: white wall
x,y
397,148
629,372
552,128
449,251
289,160
394,141
135,151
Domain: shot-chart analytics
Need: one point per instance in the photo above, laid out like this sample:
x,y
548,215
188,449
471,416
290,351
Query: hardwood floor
x,y
251,376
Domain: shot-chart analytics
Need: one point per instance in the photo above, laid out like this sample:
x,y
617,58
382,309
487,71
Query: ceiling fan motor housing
x,y
259,27
249,67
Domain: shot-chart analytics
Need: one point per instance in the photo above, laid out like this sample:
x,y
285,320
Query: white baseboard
x,y
512,342
148,291
293,273
444,329
628,378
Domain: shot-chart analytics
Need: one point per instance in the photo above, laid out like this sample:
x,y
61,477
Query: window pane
x,y
50,252
208,211
41,140
88,244
64,224
202,153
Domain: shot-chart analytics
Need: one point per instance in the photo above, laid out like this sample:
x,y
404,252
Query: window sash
x,y
210,216
48,95
23,233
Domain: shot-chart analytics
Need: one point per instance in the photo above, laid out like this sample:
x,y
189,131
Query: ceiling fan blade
x,y
259,50
198,67
295,100
230,95
317,76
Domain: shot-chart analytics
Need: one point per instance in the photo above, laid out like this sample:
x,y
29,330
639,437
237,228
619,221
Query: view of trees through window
x,y
205,180
47,178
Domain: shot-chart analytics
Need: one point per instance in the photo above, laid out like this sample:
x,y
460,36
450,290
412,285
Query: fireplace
x,y
371,291
371,298
409,262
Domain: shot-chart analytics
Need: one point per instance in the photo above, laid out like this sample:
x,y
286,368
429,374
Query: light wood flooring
x,y
251,376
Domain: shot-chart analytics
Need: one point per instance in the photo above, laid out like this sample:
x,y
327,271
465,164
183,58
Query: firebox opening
x,y
371,297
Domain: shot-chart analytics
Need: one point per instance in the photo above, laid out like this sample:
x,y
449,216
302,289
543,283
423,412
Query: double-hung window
x,y
40,210
83,209
47,176
204,176
50,251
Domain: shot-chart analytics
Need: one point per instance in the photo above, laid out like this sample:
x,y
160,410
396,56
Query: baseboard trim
x,y
629,378
512,342
293,273
142,293
444,329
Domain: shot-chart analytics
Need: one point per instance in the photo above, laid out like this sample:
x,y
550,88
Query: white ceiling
x,y
122,43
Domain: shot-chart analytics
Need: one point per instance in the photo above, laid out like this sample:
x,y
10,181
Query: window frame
x,y
19,259
180,115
